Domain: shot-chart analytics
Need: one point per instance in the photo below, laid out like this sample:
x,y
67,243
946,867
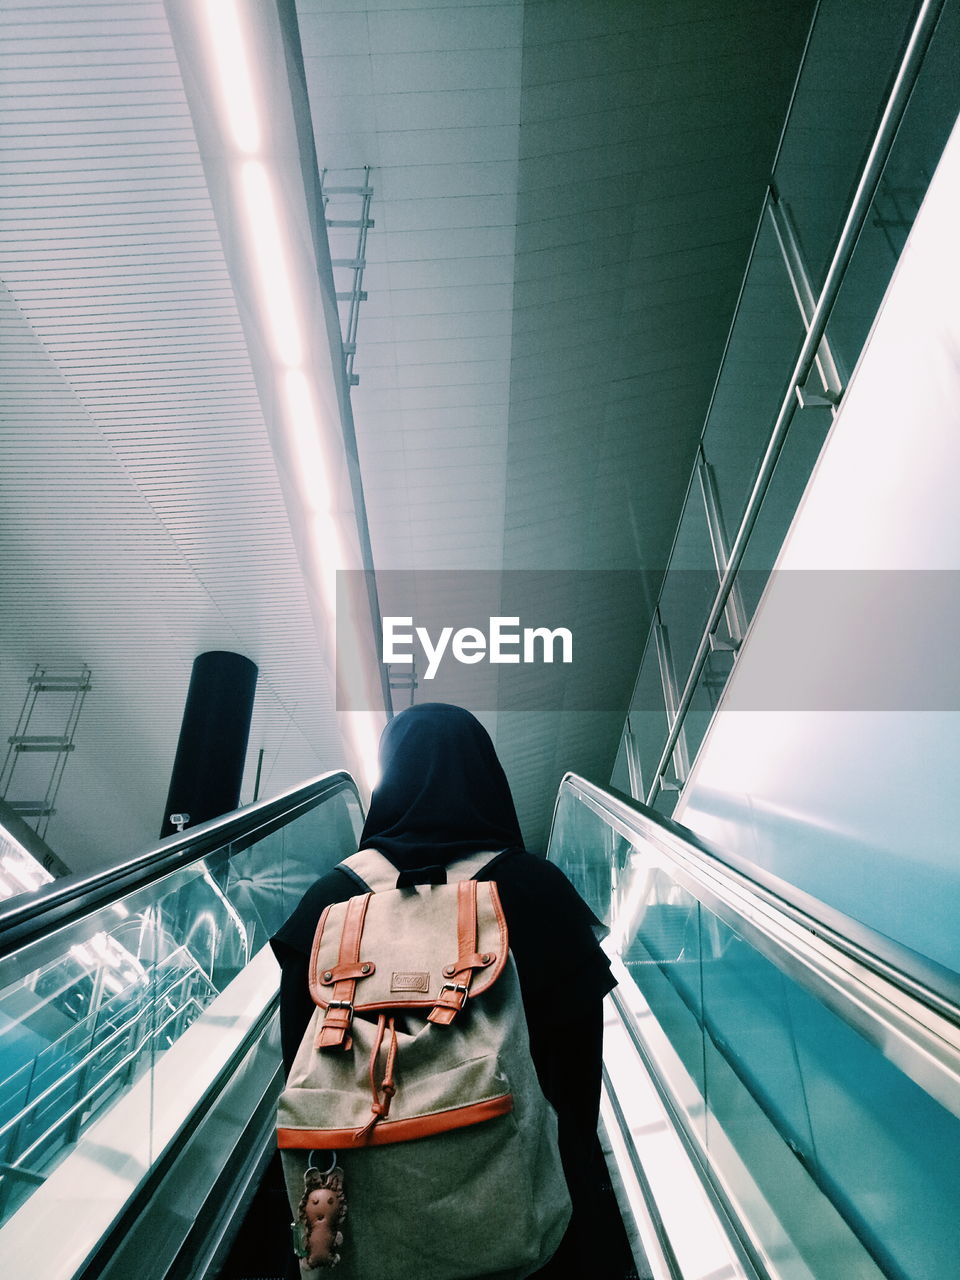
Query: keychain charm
x,y
316,1233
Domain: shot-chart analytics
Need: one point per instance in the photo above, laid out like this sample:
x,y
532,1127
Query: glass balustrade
x,y
837,1163
88,1011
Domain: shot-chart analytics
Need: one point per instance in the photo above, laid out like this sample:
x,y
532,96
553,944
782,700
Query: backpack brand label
x,y
410,982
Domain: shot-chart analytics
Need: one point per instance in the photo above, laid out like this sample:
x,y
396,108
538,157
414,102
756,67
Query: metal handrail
x,y
31,916
908,1007
894,109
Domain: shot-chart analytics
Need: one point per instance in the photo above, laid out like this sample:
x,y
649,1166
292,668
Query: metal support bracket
x,y
354,294
808,399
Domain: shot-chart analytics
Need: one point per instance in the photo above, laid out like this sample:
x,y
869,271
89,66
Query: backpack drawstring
x,y
387,1086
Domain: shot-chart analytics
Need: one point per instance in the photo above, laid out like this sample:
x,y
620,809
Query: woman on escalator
x,y
442,796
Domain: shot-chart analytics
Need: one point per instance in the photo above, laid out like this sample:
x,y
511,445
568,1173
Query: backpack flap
x,y
373,953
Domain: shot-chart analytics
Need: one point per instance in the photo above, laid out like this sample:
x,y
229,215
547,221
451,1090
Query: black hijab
x,y
442,793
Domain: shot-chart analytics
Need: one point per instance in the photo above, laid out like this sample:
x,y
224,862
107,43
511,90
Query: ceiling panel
x,y
143,517
564,196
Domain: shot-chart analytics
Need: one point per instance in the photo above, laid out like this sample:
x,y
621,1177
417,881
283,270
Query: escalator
x,y
781,1083
139,1049
780,1093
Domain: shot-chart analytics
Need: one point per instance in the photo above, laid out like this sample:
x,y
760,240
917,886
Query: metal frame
x,y
634,770
734,612
43,680
828,367
747,1260
668,682
293,50
815,352
356,265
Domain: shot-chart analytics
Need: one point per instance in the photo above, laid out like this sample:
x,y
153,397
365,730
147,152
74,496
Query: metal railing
x,y
815,309
906,1006
27,918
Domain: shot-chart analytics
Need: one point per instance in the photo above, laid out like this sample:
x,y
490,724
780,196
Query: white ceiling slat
x,y
143,520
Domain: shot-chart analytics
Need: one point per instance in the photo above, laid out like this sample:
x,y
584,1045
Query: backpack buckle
x,y
453,986
447,1007
333,1030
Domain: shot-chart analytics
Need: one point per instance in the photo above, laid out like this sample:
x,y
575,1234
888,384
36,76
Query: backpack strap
x,y
470,866
370,870
374,873
339,1011
456,988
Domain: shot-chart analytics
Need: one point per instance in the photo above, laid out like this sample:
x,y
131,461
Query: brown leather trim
x,y
361,970
466,918
485,978
450,1000
336,1021
396,1130
475,961
352,931
395,1001
319,997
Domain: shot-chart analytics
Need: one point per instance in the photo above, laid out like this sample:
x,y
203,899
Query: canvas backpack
x,y
415,1079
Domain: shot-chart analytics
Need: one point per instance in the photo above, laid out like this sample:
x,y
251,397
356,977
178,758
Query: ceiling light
x,y
229,51
312,472
274,281
328,555
365,728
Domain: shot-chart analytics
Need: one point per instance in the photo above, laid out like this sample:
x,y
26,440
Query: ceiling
x,y
564,198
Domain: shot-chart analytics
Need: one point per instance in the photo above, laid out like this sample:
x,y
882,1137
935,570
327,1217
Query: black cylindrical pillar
x,y
208,768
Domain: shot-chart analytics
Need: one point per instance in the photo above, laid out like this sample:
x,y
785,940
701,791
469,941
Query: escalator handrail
x,y
28,917
932,985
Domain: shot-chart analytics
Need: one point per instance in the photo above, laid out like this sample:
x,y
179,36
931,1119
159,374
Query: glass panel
x,y
841,1165
706,697
87,1011
854,50
620,774
665,801
798,457
923,133
764,345
657,934
648,715
594,855
690,586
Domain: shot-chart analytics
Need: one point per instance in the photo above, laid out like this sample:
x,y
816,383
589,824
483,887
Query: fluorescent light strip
x,y
304,431
229,51
274,280
278,303
364,728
